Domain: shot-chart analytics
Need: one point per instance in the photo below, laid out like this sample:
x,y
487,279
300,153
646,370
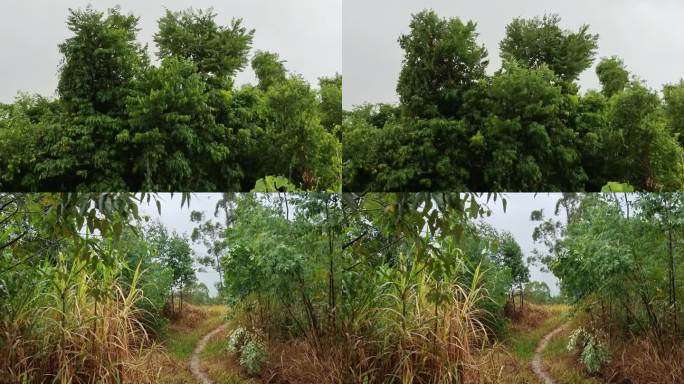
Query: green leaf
x,y
274,184
613,186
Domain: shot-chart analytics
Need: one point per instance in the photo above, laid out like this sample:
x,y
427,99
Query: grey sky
x,y
516,220
648,35
306,33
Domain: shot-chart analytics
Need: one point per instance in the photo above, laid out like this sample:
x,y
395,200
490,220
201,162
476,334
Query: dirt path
x,y
195,361
537,359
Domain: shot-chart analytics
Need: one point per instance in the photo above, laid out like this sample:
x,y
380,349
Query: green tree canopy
x,y
674,108
524,127
123,123
269,69
218,51
100,61
442,61
541,41
612,75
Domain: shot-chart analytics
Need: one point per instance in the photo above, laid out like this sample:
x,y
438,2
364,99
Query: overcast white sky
x,y
647,34
516,220
306,33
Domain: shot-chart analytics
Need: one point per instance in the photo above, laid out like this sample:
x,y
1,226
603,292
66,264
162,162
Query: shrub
x,y
237,339
250,349
253,355
594,354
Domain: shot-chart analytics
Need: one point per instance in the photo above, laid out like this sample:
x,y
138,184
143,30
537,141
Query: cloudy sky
x,y
647,34
516,219
306,33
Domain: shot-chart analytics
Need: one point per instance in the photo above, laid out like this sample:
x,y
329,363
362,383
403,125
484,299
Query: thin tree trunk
x,y
671,272
331,275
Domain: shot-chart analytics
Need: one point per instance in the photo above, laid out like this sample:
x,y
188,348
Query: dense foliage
x,y
618,259
84,286
121,122
373,287
389,288
526,127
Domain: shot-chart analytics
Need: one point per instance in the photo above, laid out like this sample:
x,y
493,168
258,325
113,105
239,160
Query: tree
x,y
269,69
510,255
525,139
25,128
540,41
442,61
643,149
674,108
174,138
617,257
174,252
612,75
664,211
331,102
523,128
592,126
294,132
211,234
538,292
100,61
219,52
122,123
198,293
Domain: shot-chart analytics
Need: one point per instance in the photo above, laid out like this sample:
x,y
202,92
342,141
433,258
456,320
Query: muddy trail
x,y
195,367
537,367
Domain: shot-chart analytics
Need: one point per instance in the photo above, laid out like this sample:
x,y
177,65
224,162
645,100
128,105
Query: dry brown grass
x,y
87,343
220,365
409,344
299,361
635,361
639,361
496,365
531,317
189,318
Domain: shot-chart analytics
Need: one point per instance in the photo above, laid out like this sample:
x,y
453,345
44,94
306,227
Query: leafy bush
x,y
237,339
253,355
250,349
594,354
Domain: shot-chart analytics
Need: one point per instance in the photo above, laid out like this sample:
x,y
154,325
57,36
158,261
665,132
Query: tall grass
x,y
67,322
405,337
